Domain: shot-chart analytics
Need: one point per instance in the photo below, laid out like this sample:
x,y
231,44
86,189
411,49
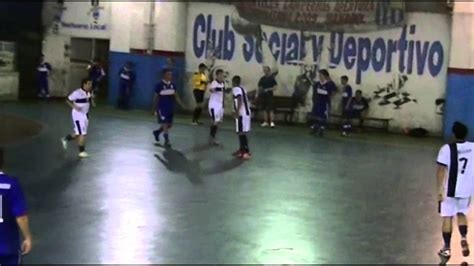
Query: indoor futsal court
x,y
236,132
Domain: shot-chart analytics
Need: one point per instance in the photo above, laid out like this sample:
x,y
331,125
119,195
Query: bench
x,y
281,105
336,119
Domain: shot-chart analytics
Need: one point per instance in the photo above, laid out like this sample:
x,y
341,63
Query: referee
x,y
13,219
200,82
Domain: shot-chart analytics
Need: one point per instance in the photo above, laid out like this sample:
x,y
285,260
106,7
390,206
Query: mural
x,y
402,66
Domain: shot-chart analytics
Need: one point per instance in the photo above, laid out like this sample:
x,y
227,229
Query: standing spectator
x,y
200,81
359,108
346,105
96,74
323,91
266,86
43,69
13,220
127,79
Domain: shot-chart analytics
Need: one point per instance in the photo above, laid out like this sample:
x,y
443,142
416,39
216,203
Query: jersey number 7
x,y
465,161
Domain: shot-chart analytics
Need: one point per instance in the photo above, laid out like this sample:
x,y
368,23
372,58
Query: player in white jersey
x,y
216,104
242,117
80,101
455,176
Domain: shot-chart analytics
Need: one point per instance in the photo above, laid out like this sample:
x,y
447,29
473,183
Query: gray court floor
x,y
301,199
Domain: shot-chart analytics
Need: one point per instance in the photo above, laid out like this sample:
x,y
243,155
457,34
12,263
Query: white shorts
x,y
81,123
217,113
450,207
242,124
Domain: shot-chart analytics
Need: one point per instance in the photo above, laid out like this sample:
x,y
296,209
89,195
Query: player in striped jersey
x,y
80,101
455,176
242,117
216,104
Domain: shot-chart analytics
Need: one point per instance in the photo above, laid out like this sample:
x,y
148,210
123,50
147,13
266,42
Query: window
x,y
83,50
7,56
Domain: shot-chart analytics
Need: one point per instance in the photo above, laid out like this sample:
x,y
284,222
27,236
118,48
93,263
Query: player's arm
x,y
19,210
213,86
178,101
239,105
441,175
70,101
24,225
156,98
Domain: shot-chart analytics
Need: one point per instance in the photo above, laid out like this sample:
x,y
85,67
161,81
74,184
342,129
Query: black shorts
x,y
266,101
198,95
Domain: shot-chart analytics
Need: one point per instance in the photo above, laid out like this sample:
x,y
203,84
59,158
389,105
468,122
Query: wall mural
x,y
393,57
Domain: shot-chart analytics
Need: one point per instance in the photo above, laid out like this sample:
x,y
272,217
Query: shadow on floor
x,y
176,161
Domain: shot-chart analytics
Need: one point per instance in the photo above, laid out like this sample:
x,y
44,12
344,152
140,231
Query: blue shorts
x,y
165,117
354,114
10,260
321,110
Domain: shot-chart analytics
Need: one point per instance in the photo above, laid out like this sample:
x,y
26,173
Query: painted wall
x,y
9,85
403,70
460,89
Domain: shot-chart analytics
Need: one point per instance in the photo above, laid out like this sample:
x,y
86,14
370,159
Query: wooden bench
x,y
336,119
281,105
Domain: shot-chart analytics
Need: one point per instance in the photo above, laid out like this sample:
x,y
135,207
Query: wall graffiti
x,y
401,68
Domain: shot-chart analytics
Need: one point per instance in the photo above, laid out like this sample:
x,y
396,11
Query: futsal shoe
x,y
246,156
444,255
272,125
465,248
264,124
214,142
195,123
237,153
156,134
83,154
64,142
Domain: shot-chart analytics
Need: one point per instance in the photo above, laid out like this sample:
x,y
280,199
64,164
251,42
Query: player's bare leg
x,y
165,130
447,228
81,140
213,133
462,224
157,134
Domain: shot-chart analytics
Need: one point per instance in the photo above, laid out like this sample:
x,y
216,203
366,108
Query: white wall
x,y
462,48
9,82
432,35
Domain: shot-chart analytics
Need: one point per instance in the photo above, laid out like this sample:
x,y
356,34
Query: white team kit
x,y
216,101
80,118
242,123
459,184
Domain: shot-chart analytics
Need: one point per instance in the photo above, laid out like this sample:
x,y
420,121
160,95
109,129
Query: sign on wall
x,y
402,70
324,15
85,19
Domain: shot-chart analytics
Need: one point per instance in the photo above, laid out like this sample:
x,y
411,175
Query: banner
x,y
347,16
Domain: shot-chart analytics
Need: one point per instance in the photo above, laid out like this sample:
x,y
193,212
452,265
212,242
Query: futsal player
x,y
242,117
80,102
13,220
96,74
127,80
323,90
200,82
164,104
346,105
216,104
44,68
455,182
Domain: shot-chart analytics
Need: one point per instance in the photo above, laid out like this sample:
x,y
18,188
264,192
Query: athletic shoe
x,y
465,247
195,123
237,153
213,142
156,134
246,156
444,254
64,142
83,154
264,124
344,134
272,125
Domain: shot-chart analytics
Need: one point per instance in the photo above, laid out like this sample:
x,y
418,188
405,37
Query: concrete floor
x,y
301,199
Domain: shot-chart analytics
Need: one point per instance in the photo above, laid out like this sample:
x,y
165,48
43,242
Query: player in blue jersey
x,y
13,220
164,104
127,79
323,91
43,69
346,105
96,74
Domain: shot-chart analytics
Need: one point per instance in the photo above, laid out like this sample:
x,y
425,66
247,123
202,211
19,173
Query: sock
x,y
158,131
195,114
213,131
82,148
447,239
198,113
245,143
68,138
166,137
241,142
463,230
